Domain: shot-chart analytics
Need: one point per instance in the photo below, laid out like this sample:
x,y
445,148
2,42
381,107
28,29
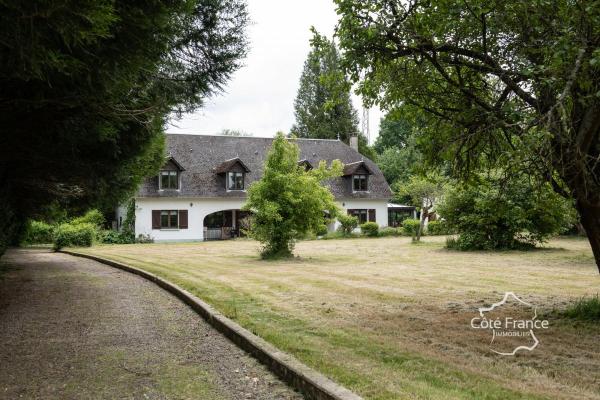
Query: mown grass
x,y
390,320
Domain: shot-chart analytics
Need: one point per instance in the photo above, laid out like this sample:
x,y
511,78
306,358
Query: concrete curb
x,y
309,382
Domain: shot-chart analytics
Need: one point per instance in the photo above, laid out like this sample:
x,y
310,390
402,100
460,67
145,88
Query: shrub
x,y
93,217
389,231
410,227
370,229
70,234
114,237
340,235
321,230
504,214
347,223
438,228
586,308
38,232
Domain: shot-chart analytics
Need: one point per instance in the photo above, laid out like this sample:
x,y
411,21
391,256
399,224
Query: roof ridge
x,y
246,137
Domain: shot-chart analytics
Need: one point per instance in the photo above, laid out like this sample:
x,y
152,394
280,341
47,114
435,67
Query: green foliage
x,y
128,227
504,213
389,231
93,217
78,235
323,107
394,131
438,228
586,308
505,84
340,235
288,202
321,230
87,88
410,227
399,164
347,223
38,232
370,229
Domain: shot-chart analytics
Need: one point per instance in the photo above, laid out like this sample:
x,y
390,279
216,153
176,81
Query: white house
x,y
201,188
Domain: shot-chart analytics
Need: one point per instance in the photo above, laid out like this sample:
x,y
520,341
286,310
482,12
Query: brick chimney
x,y
354,142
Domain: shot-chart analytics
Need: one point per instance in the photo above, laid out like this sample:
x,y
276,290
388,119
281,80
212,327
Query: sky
x,y
259,99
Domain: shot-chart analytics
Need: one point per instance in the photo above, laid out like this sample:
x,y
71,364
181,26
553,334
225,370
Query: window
x,y
359,183
169,219
362,215
169,180
235,181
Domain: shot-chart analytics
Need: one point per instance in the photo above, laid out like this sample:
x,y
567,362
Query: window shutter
x,y
372,215
155,219
183,219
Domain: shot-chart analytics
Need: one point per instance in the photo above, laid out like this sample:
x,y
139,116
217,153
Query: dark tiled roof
x,y
361,166
228,165
201,155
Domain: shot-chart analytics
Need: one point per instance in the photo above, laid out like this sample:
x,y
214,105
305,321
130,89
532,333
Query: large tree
x,y
509,82
87,86
323,107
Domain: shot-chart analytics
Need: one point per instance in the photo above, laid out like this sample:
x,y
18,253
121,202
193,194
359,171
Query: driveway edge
x,y
309,382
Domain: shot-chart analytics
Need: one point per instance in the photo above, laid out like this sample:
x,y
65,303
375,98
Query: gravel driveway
x,y
72,328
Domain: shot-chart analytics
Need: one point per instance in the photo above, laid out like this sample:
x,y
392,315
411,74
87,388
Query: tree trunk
x,y
424,213
590,219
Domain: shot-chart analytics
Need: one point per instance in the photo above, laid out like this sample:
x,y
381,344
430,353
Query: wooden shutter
x,y
155,219
372,215
183,219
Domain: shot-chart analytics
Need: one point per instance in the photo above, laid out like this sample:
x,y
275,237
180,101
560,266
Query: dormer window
x,y
360,183
234,171
235,181
169,180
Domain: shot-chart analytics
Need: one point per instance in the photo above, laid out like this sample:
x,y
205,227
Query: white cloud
x,y
259,98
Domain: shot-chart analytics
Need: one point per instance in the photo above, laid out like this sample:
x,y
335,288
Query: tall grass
x,y
586,308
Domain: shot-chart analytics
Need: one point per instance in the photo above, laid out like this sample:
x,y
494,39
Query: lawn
x,y
390,319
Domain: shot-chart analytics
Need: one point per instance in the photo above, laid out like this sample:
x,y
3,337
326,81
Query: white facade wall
x,y
380,207
199,208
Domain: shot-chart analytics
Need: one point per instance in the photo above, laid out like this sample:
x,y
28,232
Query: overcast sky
x,y
259,98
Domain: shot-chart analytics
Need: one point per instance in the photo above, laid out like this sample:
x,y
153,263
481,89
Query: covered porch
x,y
225,224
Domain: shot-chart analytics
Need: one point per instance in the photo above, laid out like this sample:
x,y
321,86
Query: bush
x,y
389,231
370,229
93,217
114,237
340,235
347,223
70,234
321,230
504,214
410,227
438,228
586,308
38,232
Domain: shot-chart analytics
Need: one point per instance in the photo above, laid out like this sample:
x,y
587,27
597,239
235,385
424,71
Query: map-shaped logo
x,y
513,324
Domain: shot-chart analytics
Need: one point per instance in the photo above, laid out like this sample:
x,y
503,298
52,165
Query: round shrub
x,y
370,229
81,235
38,232
438,228
347,223
410,227
321,230
389,231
